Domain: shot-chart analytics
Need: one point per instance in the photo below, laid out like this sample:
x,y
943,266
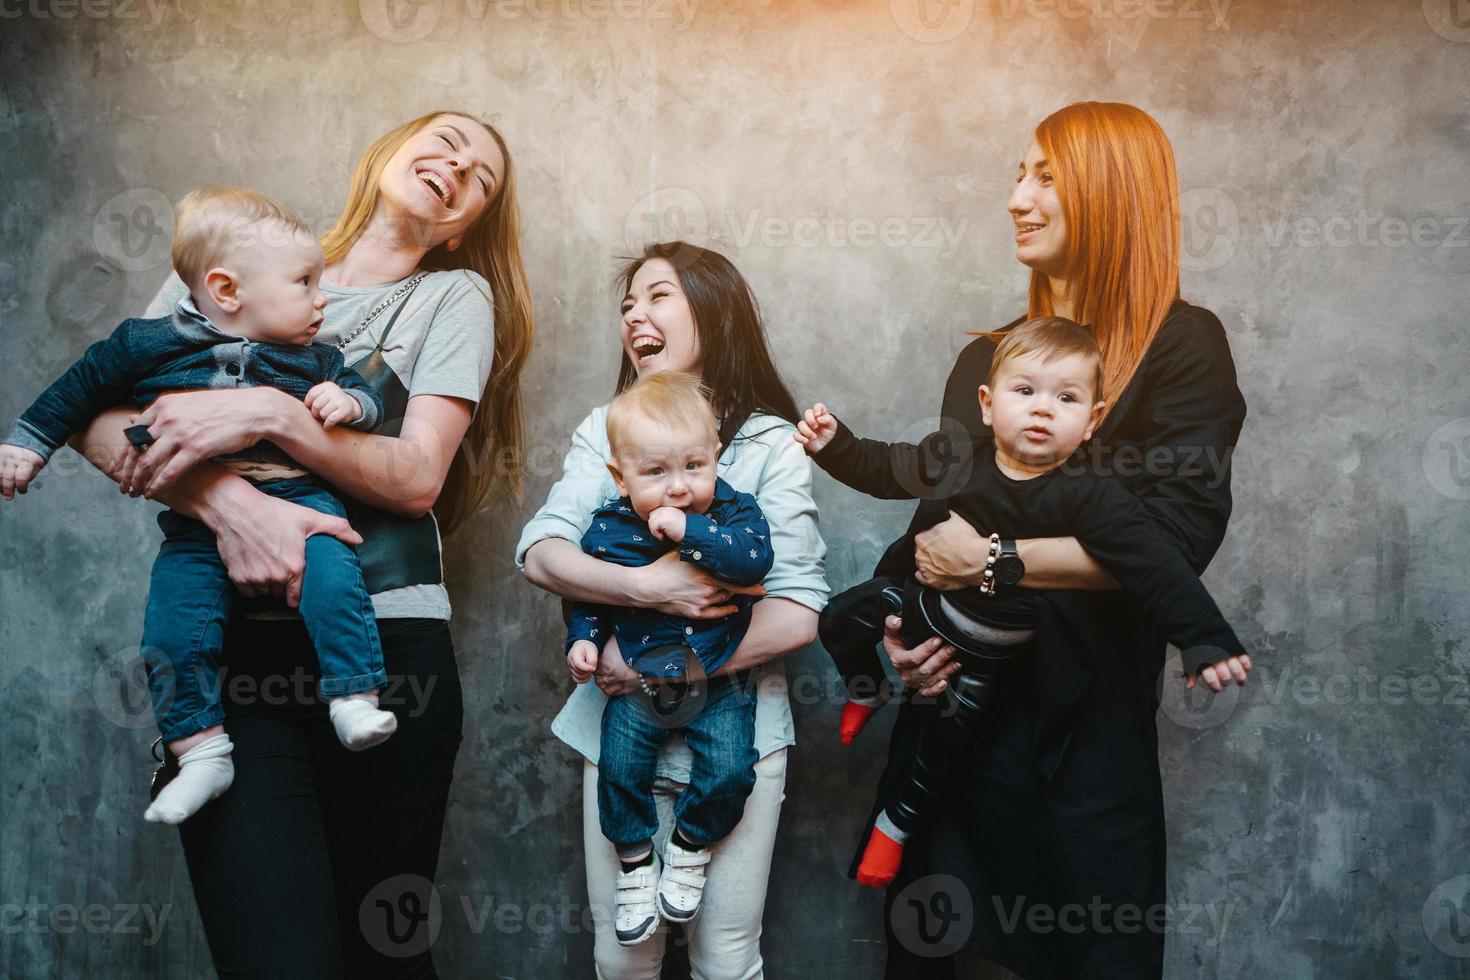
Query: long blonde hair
x,y
1115,179
490,456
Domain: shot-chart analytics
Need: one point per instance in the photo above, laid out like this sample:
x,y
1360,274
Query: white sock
x,y
890,829
205,771
360,723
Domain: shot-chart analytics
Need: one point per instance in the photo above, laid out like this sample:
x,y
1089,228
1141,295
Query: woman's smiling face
x,y
443,176
1041,229
658,329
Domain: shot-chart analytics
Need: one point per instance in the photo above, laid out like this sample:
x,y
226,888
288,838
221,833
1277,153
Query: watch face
x,y
1009,570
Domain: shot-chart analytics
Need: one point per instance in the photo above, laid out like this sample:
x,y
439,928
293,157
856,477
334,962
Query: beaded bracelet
x,y
987,585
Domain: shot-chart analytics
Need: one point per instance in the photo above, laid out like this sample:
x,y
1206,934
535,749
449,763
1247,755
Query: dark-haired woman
x,y
686,308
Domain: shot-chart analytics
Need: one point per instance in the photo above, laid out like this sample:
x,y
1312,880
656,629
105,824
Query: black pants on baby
x,y
851,627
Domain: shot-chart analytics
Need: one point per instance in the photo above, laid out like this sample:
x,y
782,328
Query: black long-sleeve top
x,y
1109,522
1168,439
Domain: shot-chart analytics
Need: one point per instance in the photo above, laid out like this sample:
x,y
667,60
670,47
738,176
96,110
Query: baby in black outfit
x,y
1042,401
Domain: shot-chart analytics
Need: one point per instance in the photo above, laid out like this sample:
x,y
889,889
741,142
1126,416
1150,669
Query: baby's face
x,y
1042,411
660,466
278,275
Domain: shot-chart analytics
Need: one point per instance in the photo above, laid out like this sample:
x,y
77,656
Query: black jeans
x,y
319,862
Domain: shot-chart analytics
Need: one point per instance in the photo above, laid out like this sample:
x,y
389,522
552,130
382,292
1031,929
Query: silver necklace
x,y
407,285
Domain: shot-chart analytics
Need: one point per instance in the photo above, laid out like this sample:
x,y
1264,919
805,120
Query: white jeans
x,y
725,940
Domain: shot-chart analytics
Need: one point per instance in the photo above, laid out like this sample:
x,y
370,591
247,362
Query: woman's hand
x,y
926,667
1223,672
262,541
614,677
682,589
950,555
191,426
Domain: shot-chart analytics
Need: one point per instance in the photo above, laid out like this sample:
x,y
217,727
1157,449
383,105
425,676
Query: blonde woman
x,y
427,299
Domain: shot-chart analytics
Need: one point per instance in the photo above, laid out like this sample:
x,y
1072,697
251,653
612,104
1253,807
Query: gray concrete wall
x,y
1317,820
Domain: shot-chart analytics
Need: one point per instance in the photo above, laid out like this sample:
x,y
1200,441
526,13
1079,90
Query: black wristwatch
x,y
1009,568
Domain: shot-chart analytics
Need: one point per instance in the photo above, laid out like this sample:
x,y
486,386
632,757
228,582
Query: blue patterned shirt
x,y
730,540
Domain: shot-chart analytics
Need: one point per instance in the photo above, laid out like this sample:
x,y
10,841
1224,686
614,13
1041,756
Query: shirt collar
x,y
194,324
724,493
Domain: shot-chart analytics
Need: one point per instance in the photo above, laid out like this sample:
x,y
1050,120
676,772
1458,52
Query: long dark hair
x,y
738,368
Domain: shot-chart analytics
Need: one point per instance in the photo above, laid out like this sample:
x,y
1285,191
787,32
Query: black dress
x,y
1049,859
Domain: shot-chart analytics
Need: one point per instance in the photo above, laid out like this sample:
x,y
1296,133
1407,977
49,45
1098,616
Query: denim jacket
x,y
731,541
764,460
145,358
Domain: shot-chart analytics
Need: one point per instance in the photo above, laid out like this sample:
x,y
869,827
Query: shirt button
x,y
232,369
696,556
688,630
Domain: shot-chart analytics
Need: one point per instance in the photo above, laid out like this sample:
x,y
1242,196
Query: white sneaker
x,y
636,919
681,886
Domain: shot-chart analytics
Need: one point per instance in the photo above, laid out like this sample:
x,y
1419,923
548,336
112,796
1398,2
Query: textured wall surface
x,y
854,159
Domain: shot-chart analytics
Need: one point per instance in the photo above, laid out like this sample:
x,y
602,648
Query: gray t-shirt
x,y
442,344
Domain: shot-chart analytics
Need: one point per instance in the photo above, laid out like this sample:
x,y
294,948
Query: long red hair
x,y
1115,178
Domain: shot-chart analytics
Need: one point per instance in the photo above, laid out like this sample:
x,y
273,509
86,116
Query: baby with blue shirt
x,y
253,268
665,446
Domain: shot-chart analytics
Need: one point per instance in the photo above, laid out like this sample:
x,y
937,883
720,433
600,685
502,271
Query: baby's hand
x,y
667,523
1219,675
332,405
816,428
18,467
582,660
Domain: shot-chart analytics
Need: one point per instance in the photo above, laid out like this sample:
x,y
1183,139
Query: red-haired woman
x,y
1059,833
428,301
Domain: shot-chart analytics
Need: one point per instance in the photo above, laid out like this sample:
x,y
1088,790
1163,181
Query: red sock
x,y
880,860
854,717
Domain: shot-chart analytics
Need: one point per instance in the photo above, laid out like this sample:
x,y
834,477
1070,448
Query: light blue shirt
x,y
764,460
